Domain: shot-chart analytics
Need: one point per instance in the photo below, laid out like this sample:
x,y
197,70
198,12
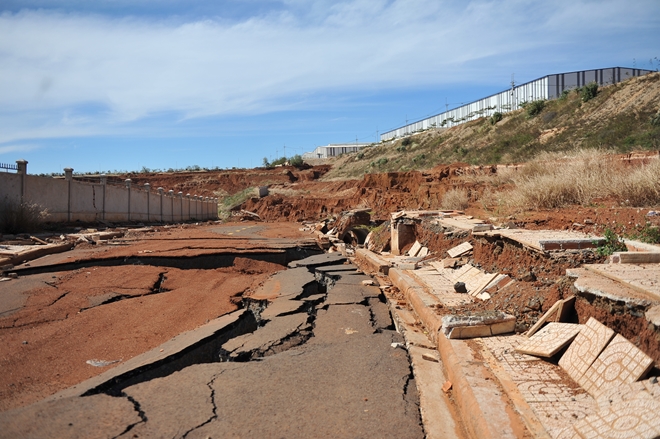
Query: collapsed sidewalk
x,y
573,377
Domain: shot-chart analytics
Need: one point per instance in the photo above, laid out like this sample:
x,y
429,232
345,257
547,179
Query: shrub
x,y
296,160
535,107
17,217
407,141
613,243
455,199
496,117
589,91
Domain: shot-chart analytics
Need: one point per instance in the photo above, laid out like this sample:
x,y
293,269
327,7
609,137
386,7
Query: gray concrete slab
x,y
13,295
281,306
292,283
342,323
319,260
98,416
265,339
380,314
336,268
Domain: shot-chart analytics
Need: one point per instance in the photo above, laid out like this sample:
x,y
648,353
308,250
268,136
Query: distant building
x,y
547,87
333,150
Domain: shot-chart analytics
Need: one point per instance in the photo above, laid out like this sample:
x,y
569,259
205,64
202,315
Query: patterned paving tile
x,y
621,362
615,394
586,347
543,385
550,340
633,419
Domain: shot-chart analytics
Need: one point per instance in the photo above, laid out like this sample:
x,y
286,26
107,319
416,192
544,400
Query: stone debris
x,y
559,310
484,324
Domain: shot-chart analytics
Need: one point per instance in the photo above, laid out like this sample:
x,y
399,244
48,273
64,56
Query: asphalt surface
x,y
319,365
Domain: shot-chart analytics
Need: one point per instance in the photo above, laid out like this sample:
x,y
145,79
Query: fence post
x,y
68,175
180,194
21,168
147,187
128,186
104,182
171,193
189,212
160,192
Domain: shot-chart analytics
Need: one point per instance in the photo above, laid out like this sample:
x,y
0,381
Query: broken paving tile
x,y
459,250
483,324
415,249
620,362
549,340
586,347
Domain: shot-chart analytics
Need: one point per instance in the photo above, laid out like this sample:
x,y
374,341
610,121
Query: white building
x,y
333,150
547,87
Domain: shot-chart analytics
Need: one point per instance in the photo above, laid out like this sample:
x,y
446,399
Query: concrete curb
x,y
373,261
471,413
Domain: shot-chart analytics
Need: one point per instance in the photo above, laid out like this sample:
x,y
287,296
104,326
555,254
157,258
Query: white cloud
x,y
7,149
89,73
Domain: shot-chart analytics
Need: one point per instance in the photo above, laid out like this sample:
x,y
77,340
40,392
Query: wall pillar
x,y
180,194
196,203
171,194
21,166
160,192
189,212
147,187
128,187
68,175
104,183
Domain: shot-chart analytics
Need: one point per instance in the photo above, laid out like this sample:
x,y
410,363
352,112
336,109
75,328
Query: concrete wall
x,y
69,200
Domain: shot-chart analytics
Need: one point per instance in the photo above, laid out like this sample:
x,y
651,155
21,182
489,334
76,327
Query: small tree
x,y
296,160
265,163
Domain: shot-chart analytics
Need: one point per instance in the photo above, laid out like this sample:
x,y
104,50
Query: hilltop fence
x,y
67,199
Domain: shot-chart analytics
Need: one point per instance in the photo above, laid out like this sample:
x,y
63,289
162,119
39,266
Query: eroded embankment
x,y
541,280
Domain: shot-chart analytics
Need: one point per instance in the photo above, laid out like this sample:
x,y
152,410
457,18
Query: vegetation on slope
x,y
618,118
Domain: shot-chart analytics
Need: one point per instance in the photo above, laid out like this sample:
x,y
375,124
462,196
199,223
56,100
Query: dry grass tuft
x,y
455,199
580,177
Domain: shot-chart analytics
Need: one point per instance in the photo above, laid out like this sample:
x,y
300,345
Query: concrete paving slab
x,y
406,324
545,387
459,250
550,340
98,416
441,286
621,362
548,240
343,294
642,277
614,394
266,338
591,282
586,347
636,418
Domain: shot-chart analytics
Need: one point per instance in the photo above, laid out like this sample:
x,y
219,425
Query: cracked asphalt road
x,y
329,364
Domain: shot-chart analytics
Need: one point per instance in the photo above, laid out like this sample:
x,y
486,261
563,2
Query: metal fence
x,y
547,87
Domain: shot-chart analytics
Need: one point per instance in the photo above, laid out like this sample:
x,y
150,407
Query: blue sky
x,y
123,84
